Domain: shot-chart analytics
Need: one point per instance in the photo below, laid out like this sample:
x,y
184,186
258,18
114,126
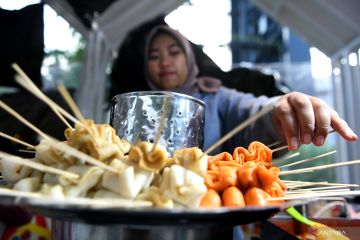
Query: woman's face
x,y
167,64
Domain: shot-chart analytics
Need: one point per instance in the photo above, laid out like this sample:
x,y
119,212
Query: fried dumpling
x,y
97,140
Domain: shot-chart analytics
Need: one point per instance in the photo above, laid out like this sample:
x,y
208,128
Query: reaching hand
x,y
304,118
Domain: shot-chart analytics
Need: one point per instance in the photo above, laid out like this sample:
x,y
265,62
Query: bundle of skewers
x,y
94,164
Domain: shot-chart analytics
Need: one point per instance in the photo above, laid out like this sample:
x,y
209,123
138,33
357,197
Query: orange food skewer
x,y
219,180
256,197
211,199
233,197
249,171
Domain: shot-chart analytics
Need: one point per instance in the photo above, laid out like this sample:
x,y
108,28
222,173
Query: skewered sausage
x,y
233,197
211,199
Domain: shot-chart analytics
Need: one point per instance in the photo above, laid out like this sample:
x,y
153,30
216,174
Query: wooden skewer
x,y
18,79
76,153
23,120
279,148
27,151
300,184
319,167
15,193
286,158
66,95
166,110
11,138
26,82
334,184
274,144
38,166
314,195
317,188
240,127
308,159
304,191
64,147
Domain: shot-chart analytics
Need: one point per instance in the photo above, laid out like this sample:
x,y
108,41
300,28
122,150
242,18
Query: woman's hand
x,y
307,119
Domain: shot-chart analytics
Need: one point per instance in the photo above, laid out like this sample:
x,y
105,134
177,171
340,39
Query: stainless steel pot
x,y
137,116
66,230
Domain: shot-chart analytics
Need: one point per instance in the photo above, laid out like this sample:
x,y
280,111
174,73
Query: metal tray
x,y
93,213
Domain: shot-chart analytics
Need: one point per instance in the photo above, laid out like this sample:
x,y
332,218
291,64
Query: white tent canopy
x,y
107,32
329,25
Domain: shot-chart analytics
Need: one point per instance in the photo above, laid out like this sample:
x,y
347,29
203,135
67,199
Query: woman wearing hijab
x,y
170,66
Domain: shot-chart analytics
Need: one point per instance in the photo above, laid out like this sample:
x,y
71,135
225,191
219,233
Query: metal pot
x,y
137,116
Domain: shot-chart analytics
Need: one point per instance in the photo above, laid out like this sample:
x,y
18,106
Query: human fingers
x,y
306,117
322,114
341,126
284,116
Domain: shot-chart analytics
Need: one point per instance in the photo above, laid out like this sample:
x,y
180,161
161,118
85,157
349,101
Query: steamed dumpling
x,y
13,172
47,152
129,181
192,159
182,185
30,184
154,195
89,177
97,140
148,158
103,193
53,191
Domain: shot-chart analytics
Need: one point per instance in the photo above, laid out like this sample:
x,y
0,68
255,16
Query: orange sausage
x,y
256,197
233,197
211,199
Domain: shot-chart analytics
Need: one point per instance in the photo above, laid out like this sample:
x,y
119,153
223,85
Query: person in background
x,y
298,118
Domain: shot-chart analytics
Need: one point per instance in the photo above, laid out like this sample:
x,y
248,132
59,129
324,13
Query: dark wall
x,y
22,42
